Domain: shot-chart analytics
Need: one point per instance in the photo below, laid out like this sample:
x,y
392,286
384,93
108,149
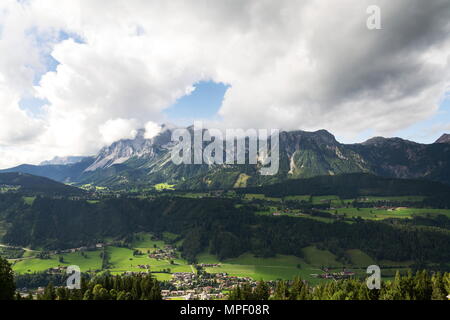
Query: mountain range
x,y
142,163
62,160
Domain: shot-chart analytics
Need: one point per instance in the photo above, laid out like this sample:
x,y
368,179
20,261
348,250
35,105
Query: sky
x,y
77,75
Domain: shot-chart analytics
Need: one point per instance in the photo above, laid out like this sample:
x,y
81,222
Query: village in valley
x,y
199,281
208,277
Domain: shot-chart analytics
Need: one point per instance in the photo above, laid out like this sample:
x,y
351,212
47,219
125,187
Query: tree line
x,y
419,286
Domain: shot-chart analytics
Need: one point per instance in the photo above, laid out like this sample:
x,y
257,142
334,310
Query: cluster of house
x,y
396,208
135,273
193,286
191,294
183,277
345,274
79,249
278,214
56,270
209,265
5,188
227,282
389,208
167,253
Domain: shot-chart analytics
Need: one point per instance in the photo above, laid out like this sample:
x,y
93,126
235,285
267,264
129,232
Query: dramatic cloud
x,y
151,129
113,130
290,64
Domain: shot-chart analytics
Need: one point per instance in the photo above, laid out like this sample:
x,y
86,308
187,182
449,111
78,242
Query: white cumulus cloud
x,y
290,64
113,130
151,129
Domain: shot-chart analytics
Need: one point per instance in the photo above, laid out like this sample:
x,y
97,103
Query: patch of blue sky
x,y
429,130
202,104
44,41
32,106
64,35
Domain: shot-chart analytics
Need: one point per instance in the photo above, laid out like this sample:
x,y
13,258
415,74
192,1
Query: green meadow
x,y
279,267
378,214
164,186
91,262
29,200
399,198
326,199
250,197
123,259
285,267
359,258
241,181
297,198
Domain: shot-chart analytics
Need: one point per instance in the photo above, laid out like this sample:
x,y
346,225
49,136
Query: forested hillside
x,y
219,226
27,183
351,186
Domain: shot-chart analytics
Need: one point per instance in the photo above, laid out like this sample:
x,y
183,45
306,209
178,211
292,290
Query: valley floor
x,y
146,254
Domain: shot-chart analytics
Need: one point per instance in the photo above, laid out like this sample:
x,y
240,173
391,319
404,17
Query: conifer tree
x,y
7,285
262,291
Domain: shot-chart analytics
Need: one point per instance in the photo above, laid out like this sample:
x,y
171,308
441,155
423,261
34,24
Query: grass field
x,y
360,258
92,187
122,260
295,214
400,198
364,213
5,189
194,195
144,241
92,262
241,181
164,186
29,200
270,210
378,214
285,267
279,267
297,198
251,196
326,199
318,258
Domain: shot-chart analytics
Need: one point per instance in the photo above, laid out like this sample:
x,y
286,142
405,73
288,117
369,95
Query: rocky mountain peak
x,y
62,160
321,137
125,149
379,141
445,138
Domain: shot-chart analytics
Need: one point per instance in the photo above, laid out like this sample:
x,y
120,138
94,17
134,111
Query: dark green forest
x,y
348,186
219,226
30,184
